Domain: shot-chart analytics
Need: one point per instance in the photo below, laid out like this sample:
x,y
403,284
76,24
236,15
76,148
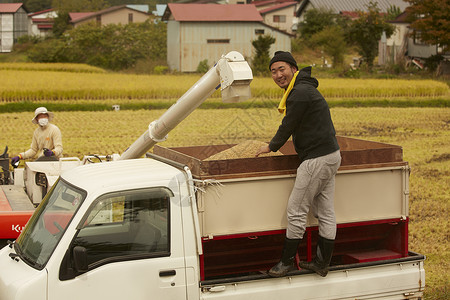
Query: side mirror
x,y
80,259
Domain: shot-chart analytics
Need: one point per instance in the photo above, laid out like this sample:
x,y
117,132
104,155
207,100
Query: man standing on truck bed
x,y
47,137
307,119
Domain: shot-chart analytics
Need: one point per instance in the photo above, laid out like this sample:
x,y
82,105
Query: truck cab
x,y
115,237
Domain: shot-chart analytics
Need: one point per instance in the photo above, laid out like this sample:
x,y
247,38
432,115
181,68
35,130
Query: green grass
x,y
138,104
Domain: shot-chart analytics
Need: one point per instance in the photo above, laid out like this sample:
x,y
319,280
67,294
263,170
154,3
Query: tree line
x,y
79,5
113,46
334,34
121,46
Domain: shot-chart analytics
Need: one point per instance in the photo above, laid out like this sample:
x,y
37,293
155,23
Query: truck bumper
x,y
20,281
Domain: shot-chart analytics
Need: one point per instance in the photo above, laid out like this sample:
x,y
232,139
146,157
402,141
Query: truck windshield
x,y
48,223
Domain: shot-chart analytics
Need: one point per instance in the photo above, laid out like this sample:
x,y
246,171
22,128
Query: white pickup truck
x,y
150,229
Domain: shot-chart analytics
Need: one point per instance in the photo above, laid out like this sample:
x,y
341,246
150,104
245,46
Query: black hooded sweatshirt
x,y
307,120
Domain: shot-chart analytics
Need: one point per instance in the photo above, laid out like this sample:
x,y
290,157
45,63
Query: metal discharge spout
x,y
232,73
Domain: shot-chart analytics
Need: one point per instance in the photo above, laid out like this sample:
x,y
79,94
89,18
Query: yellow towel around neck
x,y
282,105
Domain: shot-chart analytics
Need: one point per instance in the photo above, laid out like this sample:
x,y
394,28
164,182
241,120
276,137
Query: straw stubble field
x,y
422,132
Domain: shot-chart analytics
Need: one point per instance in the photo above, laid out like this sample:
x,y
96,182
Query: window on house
x,y
279,18
218,41
259,31
99,20
130,18
418,38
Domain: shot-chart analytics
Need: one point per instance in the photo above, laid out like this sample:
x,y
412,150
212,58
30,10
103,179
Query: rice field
x,y
59,67
56,82
423,132
362,88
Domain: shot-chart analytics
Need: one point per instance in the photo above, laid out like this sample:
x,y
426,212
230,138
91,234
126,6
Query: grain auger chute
x,y
231,73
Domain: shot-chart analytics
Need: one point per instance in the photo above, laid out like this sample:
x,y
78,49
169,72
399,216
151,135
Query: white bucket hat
x,y
42,110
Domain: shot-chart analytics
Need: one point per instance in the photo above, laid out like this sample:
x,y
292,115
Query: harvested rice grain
x,y
247,149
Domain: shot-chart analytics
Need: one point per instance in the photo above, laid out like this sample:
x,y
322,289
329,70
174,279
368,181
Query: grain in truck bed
x,y
355,153
245,210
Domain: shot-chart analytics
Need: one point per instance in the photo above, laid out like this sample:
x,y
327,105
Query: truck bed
x,y
355,154
372,184
242,206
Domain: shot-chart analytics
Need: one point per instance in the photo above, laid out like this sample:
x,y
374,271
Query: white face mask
x,y
43,122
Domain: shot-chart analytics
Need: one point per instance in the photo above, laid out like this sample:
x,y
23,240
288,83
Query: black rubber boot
x,y
323,257
286,264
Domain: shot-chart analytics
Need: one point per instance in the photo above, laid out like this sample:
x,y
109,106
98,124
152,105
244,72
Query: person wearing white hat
x,y
47,138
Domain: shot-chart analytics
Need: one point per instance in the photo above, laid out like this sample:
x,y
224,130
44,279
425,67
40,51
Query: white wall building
x,y
13,24
196,32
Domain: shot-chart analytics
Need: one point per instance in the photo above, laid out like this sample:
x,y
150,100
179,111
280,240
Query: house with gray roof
x,y
404,44
341,6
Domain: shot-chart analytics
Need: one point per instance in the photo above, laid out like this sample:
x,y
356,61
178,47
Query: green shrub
x,y
203,67
25,42
114,47
350,73
315,20
433,62
261,60
49,51
366,31
332,40
395,69
159,70
297,45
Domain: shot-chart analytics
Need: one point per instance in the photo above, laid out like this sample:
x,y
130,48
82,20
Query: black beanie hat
x,y
283,56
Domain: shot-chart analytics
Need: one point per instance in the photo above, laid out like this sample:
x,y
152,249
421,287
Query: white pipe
x,y
159,129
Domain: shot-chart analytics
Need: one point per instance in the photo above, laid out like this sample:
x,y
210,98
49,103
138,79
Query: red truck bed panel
x,y
15,211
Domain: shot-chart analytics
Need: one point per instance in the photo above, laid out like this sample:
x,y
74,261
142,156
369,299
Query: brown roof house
x,y
121,14
198,32
13,24
281,15
42,22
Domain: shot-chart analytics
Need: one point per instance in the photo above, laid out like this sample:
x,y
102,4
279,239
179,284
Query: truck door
x,y
128,246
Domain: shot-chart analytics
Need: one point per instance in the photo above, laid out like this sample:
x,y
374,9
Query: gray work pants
x,y
314,189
